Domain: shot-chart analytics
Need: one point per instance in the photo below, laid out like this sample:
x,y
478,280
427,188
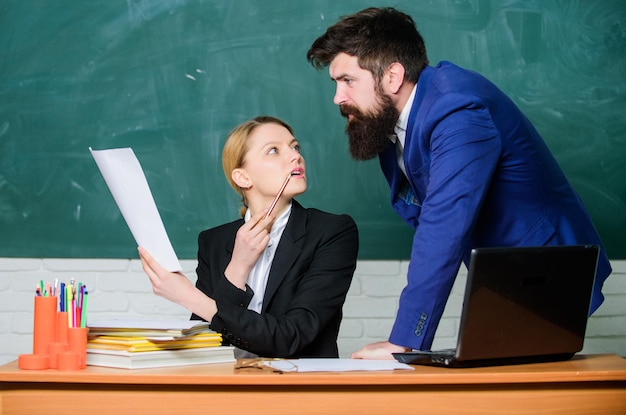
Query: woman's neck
x,y
279,208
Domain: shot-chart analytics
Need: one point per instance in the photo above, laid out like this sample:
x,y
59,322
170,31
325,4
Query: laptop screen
x,y
526,301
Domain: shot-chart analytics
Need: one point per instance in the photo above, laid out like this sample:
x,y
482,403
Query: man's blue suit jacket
x,y
479,175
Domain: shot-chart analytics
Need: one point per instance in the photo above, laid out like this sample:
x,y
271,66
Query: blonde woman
x,y
273,283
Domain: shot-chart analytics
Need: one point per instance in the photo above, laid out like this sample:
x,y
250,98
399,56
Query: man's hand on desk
x,y
378,351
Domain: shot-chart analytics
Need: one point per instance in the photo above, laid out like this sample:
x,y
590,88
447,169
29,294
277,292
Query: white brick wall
x,y
118,288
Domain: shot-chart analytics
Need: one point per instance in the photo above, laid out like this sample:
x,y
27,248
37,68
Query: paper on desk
x,y
335,365
123,174
146,324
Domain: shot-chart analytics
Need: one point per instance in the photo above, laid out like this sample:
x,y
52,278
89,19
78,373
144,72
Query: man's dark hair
x,y
378,37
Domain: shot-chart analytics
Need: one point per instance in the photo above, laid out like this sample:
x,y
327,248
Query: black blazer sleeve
x,y
307,286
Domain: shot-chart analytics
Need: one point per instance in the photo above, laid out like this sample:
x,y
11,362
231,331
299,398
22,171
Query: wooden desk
x,y
594,384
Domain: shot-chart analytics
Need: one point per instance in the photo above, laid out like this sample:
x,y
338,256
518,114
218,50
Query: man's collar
x,y
403,120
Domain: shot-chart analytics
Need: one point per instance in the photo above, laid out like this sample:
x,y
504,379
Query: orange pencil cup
x,y
61,343
44,334
62,326
45,324
54,350
68,360
77,337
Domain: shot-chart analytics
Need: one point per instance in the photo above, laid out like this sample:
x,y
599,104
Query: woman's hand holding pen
x,y
176,287
251,240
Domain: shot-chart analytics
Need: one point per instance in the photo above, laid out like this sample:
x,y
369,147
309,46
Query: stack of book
x,y
144,344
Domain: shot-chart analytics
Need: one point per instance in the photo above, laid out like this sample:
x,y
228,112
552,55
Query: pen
x,y
83,311
62,297
68,302
280,192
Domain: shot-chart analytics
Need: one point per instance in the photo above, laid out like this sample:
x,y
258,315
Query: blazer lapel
x,y
288,251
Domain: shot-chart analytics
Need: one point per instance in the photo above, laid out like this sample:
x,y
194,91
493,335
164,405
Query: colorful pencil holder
x,y
77,338
54,350
45,323
44,333
68,360
62,326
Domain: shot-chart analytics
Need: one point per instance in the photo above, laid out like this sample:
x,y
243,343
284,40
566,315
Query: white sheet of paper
x,y
335,365
146,324
126,181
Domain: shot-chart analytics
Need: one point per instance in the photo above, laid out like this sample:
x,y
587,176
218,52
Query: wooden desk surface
x,y
585,384
578,369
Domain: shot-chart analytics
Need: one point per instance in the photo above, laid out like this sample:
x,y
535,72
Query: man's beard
x,y
368,134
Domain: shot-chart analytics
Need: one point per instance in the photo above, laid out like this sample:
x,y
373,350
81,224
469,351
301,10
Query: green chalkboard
x,y
170,78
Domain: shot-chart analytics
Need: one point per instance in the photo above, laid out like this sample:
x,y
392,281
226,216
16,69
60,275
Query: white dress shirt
x,y
400,130
257,279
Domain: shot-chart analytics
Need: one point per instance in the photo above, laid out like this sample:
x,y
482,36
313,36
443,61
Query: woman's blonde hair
x,y
236,148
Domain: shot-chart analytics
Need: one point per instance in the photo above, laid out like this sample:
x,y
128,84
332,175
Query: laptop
x,y
521,305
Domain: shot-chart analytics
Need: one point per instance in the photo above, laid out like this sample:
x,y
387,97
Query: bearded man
x,y
465,167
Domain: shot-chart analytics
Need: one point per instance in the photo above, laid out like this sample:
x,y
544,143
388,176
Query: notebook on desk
x,y
521,305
